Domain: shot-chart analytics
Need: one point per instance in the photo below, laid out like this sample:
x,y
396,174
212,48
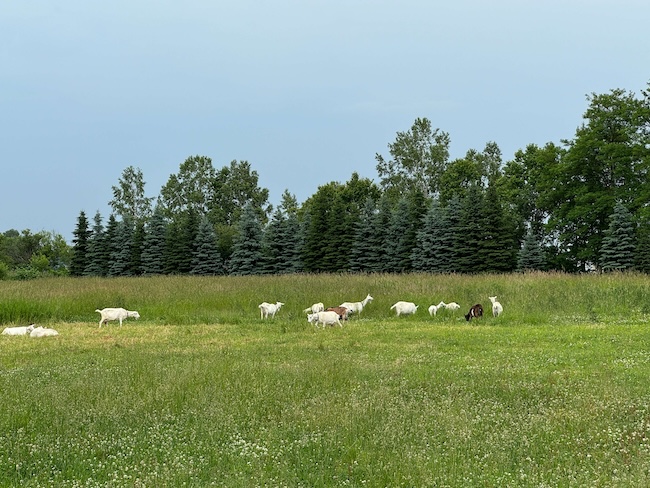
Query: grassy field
x,y
201,392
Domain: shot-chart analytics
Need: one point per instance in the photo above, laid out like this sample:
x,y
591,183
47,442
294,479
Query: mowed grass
x,y
201,392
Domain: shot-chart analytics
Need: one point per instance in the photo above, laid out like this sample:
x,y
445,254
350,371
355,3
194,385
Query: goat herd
x,y
317,314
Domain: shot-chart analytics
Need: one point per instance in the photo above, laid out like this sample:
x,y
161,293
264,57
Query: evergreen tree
x,y
96,265
292,251
137,245
247,256
121,250
427,254
531,256
642,253
399,244
449,242
206,259
619,241
153,249
110,243
363,253
80,246
174,245
472,233
498,253
380,258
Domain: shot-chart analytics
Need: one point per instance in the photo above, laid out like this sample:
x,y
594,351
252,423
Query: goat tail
x,y
98,310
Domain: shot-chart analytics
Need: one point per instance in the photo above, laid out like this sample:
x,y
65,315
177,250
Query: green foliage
x,y
619,242
247,257
419,157
531,256
206,259
80,246
129,201
153,246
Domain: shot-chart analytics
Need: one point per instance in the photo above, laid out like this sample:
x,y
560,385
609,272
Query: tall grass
x,y
201,392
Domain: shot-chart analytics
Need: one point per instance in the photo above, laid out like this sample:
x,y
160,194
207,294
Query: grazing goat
x,y
405,308
43,332
450,306
342,311
357,307
267,309
325,318
18,331
497,308
108,314
316,307
475,312
433,310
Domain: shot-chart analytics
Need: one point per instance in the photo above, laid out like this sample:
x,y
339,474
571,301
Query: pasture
x,y
201,392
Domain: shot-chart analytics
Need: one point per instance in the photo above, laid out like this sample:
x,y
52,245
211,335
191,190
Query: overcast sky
x,y
306,91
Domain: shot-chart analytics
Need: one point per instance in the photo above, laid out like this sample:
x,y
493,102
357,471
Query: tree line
x,y
578,205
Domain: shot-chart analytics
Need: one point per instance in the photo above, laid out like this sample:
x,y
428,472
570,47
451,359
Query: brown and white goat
x,y
475,312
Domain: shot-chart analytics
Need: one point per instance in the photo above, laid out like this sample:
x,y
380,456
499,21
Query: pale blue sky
x,y
305,91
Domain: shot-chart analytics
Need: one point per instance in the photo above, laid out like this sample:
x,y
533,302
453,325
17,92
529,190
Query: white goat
x,y
43,332
497,308
357,307
449,306
116,314
267,309
405,308
18,331
325,318
433,310
315,308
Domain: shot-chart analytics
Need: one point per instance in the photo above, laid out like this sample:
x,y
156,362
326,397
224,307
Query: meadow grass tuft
x,y
201,392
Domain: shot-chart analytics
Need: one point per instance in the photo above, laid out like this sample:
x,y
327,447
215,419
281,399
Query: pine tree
x,y
121,250
642,253
80,247
362,254
531,256
96,265
619,241
110,243
449,241
153,248
247,256
470,246
137,245
427,254
380,258
206,259
497,253
399,245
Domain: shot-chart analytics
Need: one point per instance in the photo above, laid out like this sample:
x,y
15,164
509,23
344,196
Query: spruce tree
x,y
292,251
470,246
206,259
137,245
642,253
362,254
153,248
450,240
96,265
497,253
246,258
427,254
399,244
121,250
80,246
110,243
531,256
380,261
619,241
